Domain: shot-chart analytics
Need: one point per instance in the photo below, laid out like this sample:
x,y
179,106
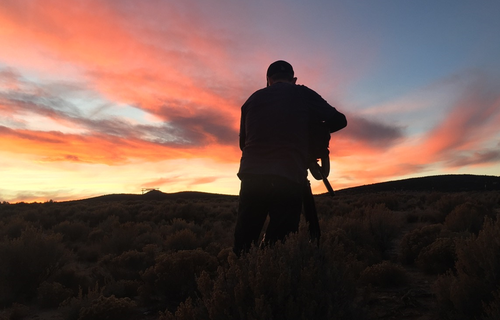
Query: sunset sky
x,y
112,96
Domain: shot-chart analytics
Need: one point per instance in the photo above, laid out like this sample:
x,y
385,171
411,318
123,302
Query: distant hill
x,y
443,183
158,196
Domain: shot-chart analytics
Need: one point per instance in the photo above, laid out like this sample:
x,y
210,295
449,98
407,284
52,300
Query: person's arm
x,y
242,131
336,121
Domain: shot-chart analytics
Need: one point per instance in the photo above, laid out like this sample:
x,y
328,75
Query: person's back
x,y
274,128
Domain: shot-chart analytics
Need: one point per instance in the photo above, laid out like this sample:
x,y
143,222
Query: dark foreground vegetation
x,y
383,255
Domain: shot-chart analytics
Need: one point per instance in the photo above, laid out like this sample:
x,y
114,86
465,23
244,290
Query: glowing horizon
x,y
106,97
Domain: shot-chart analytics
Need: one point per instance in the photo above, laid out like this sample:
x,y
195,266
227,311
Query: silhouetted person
x,y
274,133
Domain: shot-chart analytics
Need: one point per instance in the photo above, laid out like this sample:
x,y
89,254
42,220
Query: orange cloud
x,y
100,37
56,146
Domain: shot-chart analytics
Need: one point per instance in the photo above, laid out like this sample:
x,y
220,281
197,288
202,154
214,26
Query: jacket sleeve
x,y
242,131
334,119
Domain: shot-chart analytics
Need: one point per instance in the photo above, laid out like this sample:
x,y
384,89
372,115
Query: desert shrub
x,y
30,215
414,241
291,280
385,274
51,294
49,214
437,257
195,212
152,250
411,201
93,215
355,236
89,252
384,225
466,217
173,277
120,239
424,215
325,206
108,224
96,235
182,240
178,224
492,309
217,237
338,244
14,228
340,208
148,214
74,231
146,234
118,210
388,200
18,311
8,210
443,289
227,214
26,262
448,202
127,265
464,294
92,305
122,288
104,308
373,230
74,276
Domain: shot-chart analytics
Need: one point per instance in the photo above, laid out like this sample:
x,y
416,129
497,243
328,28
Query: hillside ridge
x,y
442,183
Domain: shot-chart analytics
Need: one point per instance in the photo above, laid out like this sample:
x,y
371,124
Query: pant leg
x,y
252,212
285,210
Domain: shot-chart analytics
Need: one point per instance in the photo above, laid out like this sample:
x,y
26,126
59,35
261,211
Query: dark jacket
x,y
274,130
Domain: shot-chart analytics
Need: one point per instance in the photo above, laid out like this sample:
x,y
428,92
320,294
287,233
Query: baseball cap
x,y
279,66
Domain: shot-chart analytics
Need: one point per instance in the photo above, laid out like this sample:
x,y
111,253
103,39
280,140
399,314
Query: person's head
x,y
280,71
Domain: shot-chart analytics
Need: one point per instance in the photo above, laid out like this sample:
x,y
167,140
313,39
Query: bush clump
x,y
438,257
127,265
414,241
385,275
294,280
173,277
26,262
465,293
95,306
52,294
492,309
105,308
184,239
466,217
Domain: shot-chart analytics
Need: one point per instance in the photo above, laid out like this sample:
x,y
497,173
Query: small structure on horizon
x,y
146,190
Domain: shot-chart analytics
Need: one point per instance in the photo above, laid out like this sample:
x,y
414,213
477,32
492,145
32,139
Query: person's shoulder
x,y
256,95
305,90
260,91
